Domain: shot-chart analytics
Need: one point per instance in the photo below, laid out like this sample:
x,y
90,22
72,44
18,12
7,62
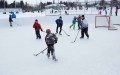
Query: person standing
x,y
50,40
37,28
73,22
116,11
59,23
106,12
100,12
84,27
10,20
79,21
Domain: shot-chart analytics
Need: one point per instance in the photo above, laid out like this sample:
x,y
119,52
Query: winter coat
x,y
37,26
59,22
79,20
74,21
84,23
116,11
51,38
10,19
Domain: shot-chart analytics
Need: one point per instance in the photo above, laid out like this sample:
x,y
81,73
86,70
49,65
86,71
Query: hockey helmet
x,y
60,17
48,30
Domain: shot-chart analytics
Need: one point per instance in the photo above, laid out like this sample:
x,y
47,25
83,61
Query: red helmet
x,y
48,30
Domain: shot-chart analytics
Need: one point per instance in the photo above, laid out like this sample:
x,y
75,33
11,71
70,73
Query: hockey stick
x,y
16,23
65,33
76,36
40,52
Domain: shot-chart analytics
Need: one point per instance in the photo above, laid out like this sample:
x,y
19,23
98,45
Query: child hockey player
x,y
50,40
116,11
59,23
10,20
105,11
37,27
84,27
73,22
79,21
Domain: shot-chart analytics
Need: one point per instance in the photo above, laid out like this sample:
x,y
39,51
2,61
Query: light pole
x,y
40,4
15,3
59,7
4,7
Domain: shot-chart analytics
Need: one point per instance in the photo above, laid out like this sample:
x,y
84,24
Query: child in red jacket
x,y
37,27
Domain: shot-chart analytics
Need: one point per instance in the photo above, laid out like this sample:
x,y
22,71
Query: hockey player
x,y
100,12
37,27
105,11
116,11
10,20
59,23
84,28
79,21
50,40
73,22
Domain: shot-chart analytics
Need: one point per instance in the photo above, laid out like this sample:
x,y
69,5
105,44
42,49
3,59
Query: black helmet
x,y
83,16
60,17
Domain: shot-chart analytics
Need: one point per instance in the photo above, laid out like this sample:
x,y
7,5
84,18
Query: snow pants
x,y
51,50
57,29
84,31
38,34
73,25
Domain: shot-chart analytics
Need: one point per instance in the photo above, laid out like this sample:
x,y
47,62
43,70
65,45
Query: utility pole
x,y
40,4
4,7
53,1
59,5
15,3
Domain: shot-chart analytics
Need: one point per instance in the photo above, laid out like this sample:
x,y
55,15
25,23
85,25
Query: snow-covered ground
x,y
98,55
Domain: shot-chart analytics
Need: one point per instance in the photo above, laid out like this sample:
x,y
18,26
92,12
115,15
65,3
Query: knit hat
x,y
36,20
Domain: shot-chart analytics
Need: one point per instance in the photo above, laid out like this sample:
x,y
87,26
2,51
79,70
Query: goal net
x,y
104,21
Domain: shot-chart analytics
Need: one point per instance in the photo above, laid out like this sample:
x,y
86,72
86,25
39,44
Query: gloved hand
x,y
55,41
42,30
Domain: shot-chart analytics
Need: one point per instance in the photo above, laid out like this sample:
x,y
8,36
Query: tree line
x,y
41,5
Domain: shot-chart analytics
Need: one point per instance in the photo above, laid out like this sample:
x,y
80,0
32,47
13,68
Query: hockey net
x,y
104,21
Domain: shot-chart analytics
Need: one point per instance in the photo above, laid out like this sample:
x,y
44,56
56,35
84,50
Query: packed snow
x,y
98,55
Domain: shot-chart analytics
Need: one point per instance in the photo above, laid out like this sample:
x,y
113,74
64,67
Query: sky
x,y
38,1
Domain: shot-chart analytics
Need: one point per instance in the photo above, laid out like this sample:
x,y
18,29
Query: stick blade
x,y
35,54
73,42
68,35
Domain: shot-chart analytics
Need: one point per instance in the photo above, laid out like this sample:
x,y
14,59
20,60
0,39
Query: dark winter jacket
x,y
10,19
79,20
59,22
51,38
37,26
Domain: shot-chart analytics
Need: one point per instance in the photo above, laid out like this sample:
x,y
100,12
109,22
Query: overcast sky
x,y
38,1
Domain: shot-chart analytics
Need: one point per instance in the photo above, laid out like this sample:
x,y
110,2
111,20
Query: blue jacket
x,y
59,22
74,21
